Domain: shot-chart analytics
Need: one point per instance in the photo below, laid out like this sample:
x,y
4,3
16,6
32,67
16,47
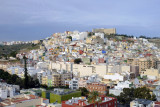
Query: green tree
x,y
89,34
26,82
37,84
14,79
93,96
13,54
111,95
77,61
130,94
70,37
84,91
44,86
126,96
142,36
144,93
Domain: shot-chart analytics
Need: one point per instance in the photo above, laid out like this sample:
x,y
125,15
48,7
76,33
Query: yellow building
x,y
44,80
143,63
67,40
94,37
89,40
125,68
151,73
3,66
36,41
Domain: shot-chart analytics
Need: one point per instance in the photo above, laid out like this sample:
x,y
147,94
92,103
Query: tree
x,y
14,79
20,82
13,54
25,73
77,61
70,37
37,84
142,36
93,96
126,96
144,93
84,91
89,34
111,95
130,94
44,86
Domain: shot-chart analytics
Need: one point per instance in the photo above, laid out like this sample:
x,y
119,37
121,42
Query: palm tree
x,y
93,96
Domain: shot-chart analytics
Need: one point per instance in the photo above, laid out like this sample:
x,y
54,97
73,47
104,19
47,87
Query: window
x,y
106,105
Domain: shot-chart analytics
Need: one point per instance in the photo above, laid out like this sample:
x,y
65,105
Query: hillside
x,y
156,41
12,50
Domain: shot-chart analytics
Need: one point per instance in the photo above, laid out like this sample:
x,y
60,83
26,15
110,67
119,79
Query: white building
x,y
79,35
156,91
119,88
122,85
73,84
114,77
7,90
141,103
100,35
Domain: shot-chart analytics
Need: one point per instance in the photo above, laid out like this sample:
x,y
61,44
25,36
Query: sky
x,y
27,20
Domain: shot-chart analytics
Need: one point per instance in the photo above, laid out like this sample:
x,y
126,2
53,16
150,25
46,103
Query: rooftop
x,y
82,101
17,99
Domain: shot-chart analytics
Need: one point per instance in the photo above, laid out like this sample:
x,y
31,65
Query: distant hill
x,y
12,50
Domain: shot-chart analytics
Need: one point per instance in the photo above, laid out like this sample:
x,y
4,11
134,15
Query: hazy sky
x,y
37,19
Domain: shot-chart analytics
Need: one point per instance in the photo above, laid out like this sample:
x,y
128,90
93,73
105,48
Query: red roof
x,y
157,103
147,55
44,99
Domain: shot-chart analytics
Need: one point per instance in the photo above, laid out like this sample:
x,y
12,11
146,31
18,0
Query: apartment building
x,y
73,84
143,63
64,75
44,80
135,70
56,79
99,87
82,82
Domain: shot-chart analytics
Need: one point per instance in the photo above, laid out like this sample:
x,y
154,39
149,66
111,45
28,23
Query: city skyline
x,y
38,19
